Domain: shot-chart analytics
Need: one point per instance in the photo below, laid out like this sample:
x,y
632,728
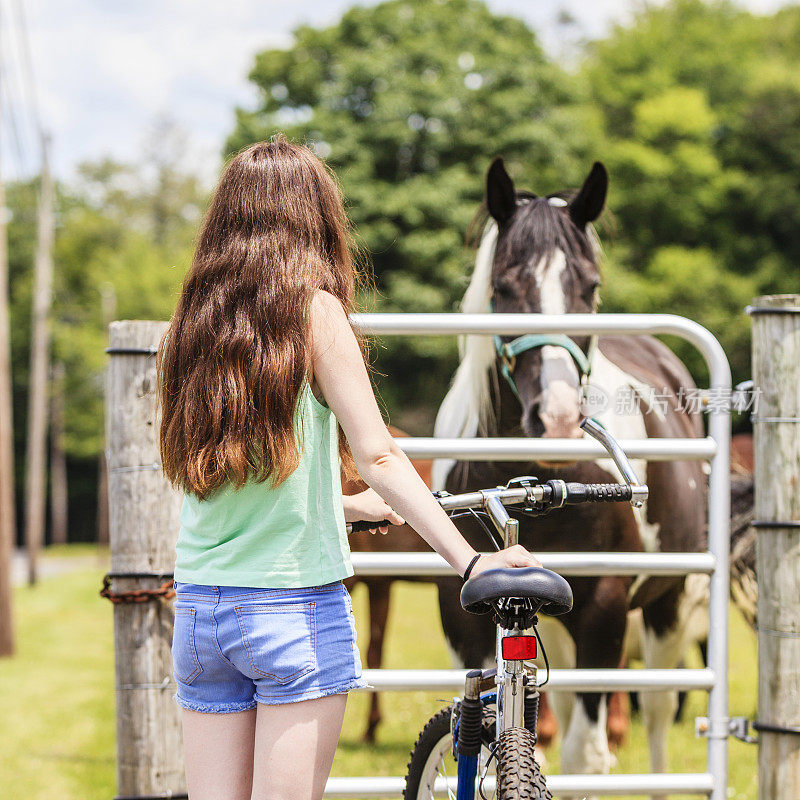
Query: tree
x,y
408,101
700,108
129,228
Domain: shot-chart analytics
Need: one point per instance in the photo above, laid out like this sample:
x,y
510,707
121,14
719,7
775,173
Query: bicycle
x,y
495,720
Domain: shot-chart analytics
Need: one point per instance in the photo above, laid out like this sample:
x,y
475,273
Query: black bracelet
x,y
470,566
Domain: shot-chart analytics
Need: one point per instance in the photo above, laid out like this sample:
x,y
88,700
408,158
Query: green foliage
x,y
123,241
693,107
120,230
701,105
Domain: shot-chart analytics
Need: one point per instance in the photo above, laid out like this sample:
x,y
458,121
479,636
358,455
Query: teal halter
x,y
508,352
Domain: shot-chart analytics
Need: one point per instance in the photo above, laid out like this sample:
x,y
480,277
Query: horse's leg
x,y
555,708
379,590
547,723
664,642
561,655
633,649
584,748
470,639
598,630
694,619
619,718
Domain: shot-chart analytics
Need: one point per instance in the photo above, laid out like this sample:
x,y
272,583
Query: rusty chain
x,y
166,589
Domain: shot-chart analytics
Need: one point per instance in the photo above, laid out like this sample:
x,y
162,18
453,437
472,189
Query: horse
x,y
401,538
540,255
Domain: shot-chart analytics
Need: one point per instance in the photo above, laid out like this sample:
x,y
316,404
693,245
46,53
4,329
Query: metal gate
x,y
714,448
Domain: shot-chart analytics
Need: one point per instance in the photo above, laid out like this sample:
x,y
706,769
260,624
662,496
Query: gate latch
x,y
738,727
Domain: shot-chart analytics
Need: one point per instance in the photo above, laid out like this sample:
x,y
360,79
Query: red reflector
x,y
518,647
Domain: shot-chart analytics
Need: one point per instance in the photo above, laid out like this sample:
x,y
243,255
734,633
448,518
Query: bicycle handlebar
x,y
639,492
551,494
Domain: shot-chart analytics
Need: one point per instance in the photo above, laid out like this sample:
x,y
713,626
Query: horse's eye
x,y
504,288
592,287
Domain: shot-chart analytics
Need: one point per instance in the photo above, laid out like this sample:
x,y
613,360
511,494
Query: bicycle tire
x,y
518,774
433,750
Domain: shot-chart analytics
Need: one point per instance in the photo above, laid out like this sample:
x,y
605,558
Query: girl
x,y
258,366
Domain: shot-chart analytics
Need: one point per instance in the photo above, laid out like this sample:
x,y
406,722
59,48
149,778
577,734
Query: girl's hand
x,y
516,556
369,506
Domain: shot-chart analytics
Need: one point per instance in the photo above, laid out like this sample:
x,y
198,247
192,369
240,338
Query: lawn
x,y
57,740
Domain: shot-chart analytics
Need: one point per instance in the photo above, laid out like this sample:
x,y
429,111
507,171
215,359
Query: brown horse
x,y
400,538
537,255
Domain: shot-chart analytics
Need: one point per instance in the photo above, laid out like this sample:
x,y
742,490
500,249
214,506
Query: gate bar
x,y
631,784
432,564
561,680
491,323
521,449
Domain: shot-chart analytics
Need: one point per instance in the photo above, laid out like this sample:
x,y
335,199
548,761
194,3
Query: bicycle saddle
x,y
546,588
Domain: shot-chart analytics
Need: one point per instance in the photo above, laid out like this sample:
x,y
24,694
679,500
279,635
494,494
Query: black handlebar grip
x,y
576,493
598,492
365,525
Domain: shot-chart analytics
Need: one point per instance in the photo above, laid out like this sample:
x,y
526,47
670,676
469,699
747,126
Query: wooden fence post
x,y
144,512
776,376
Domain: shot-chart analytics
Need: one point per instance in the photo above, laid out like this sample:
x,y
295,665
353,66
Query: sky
x,y
105,71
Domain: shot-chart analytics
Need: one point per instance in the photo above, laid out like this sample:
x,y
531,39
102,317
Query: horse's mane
x,y
466,410
467,407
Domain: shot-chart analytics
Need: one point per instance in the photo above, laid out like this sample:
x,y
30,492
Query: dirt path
x,y
52,564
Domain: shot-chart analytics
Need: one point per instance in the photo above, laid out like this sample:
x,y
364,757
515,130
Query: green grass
x,y
58,737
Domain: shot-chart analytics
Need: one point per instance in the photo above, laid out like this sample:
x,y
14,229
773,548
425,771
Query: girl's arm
x,y
340,371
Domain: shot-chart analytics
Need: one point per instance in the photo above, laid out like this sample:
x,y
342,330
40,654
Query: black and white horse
x,y
539,255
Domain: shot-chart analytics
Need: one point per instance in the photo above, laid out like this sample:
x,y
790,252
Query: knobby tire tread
x,y
518,774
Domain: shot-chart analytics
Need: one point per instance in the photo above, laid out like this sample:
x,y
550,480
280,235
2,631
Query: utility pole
x,y
8,524
108,305
59,509
38,392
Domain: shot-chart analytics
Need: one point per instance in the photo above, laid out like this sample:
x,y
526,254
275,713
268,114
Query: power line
x,y
28,72
18,89
11,115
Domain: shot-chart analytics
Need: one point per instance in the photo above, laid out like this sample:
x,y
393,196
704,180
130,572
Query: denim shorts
x,y
234,646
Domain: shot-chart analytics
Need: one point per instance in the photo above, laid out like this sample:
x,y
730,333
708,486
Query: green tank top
x,y
287,537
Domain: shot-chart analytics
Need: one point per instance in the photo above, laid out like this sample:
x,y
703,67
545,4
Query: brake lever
x,y
639,491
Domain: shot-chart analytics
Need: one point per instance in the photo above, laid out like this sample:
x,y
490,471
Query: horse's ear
x,y
589,201
500,197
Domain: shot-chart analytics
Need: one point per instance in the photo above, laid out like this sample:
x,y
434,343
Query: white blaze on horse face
x,y
559,407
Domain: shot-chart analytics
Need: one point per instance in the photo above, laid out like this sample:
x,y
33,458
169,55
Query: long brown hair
x,y
233,360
